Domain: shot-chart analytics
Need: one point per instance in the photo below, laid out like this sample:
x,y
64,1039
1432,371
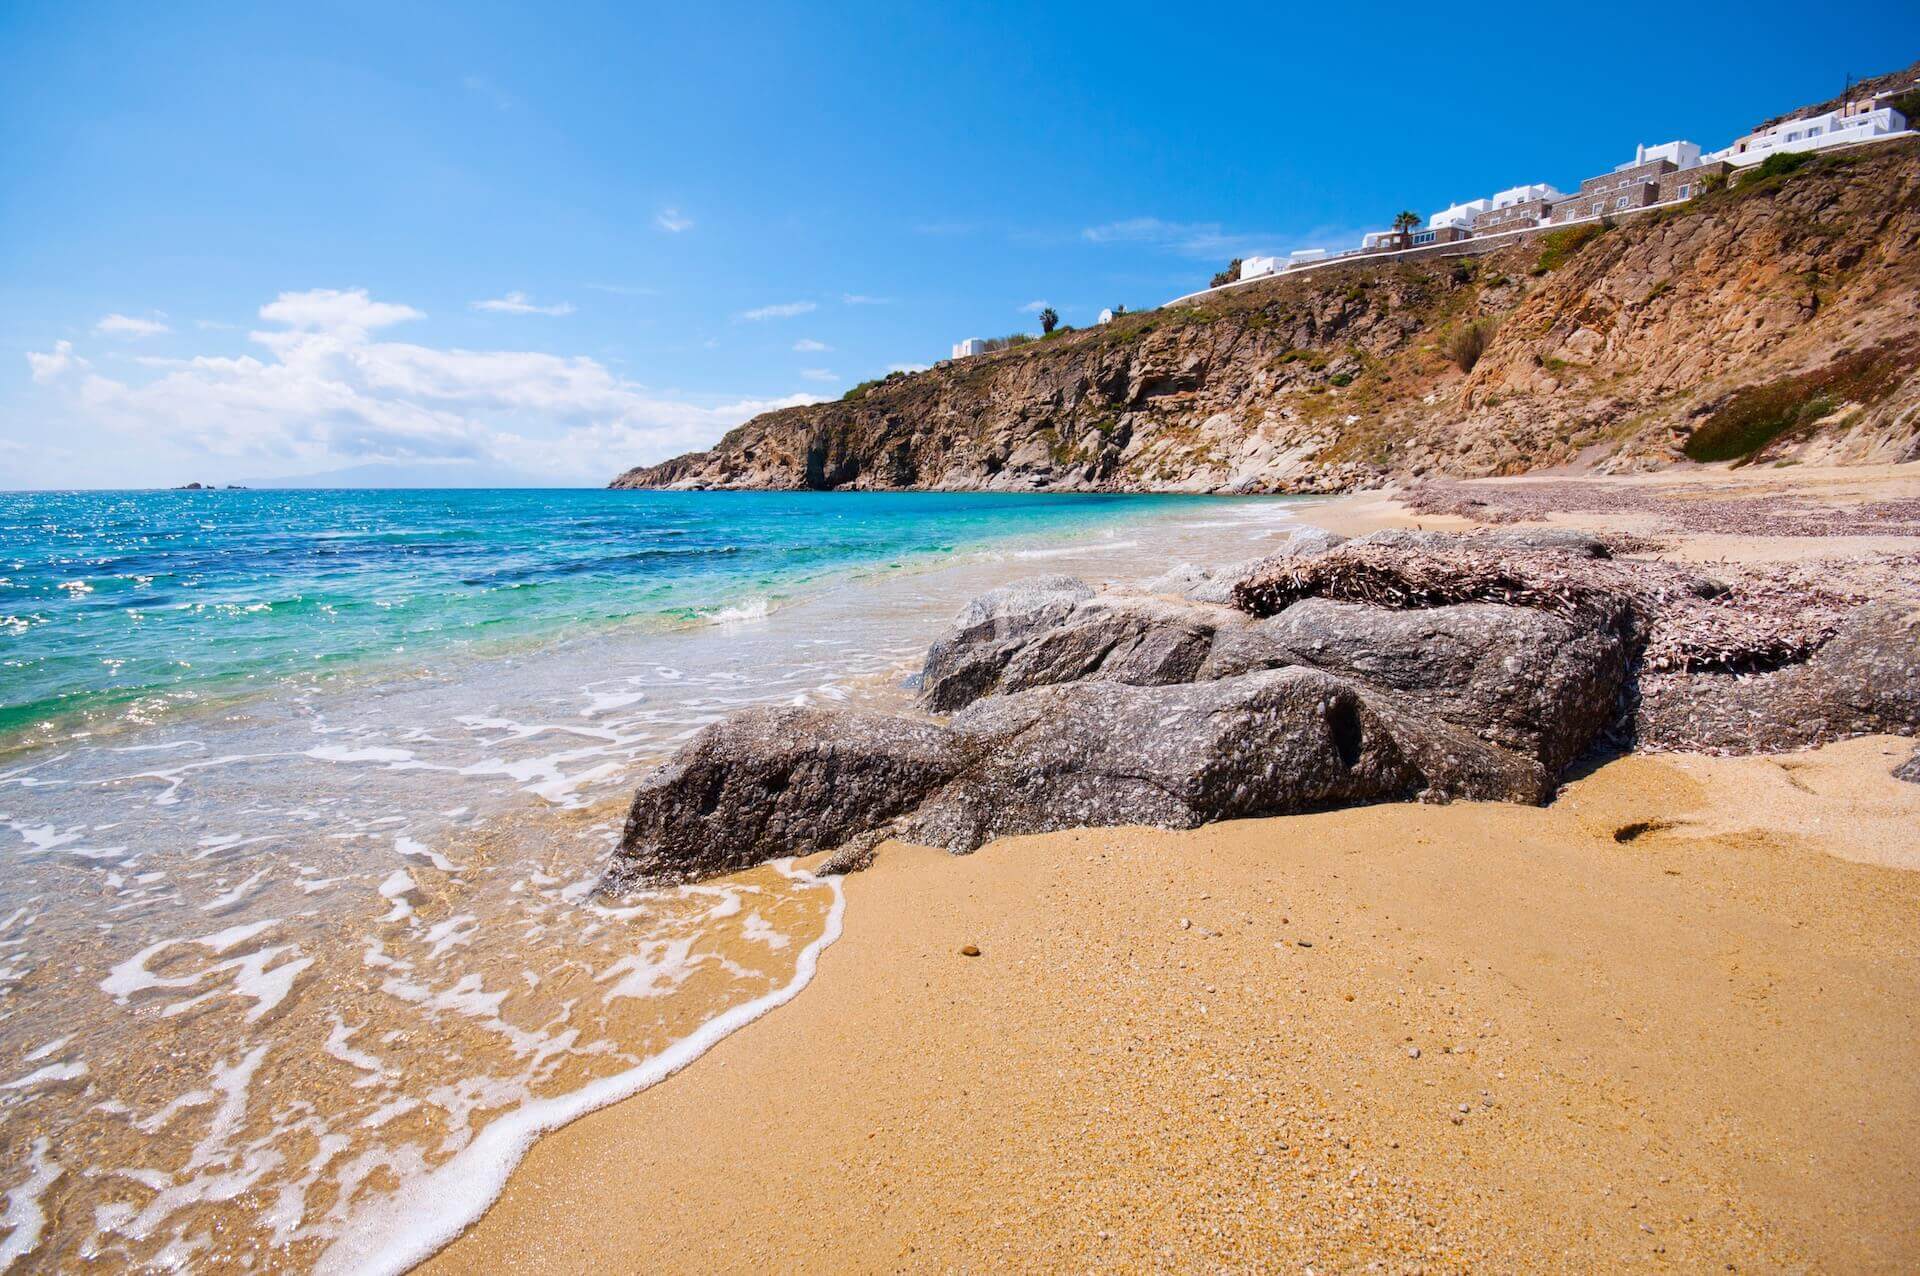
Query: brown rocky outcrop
x,y
1610,349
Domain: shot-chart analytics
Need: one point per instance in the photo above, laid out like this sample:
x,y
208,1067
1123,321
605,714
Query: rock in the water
x,y
771,782
1865,680
1528,681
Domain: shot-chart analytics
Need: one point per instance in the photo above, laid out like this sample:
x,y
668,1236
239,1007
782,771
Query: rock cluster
x,y
1401,665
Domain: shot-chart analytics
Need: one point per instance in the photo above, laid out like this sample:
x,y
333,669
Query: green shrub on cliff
x,y
1558,247
1757,415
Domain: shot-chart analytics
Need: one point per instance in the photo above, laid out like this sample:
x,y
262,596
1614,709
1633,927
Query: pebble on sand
x,y
969,950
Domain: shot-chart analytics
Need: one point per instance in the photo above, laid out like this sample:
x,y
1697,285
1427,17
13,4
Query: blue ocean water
x,y
128,605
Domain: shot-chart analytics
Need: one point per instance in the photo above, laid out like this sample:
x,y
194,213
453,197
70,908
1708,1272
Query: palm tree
x,y
1049,320
1406,221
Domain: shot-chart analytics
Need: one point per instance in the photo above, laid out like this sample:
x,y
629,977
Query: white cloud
x,y
344,313
785,310
807,345
518,303
818,374
1033,307
1189,239
55,363
672,220
861,299
129,326
322,392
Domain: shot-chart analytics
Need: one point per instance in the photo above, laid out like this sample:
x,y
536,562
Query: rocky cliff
x,y
1776,318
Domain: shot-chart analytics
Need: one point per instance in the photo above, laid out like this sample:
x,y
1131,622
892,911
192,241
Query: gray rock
x,y
1865,680
1112,637
966,664
1101,753
1522,679
1910,769
771,782
767,783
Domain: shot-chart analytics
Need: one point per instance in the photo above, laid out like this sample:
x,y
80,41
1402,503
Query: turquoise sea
x,y
134,602
304,797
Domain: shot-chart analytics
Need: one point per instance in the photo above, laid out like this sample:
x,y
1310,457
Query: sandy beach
x,y
1467,1037
1668,1019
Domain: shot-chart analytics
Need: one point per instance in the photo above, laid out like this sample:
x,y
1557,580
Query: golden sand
x,y
1672,1019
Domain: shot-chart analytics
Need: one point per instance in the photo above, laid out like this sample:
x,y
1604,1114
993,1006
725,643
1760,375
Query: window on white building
x,y
1685,191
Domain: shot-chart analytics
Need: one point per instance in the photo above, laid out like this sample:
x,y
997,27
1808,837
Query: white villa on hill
x,y
1656,177
970,347
1458,214
1855,122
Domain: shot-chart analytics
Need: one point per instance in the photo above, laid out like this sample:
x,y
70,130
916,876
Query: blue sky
x,y
480,243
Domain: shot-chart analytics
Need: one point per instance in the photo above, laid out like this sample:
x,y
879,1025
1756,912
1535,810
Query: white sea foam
x,y
25,1218
428,1212
1071,551
750,609
419,850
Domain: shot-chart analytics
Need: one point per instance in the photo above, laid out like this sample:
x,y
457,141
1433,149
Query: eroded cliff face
x,y
1609,349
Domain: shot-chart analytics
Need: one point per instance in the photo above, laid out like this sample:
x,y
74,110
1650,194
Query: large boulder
x,y
1128,638
1863,681
1267,743
966,663
765,783
1525,680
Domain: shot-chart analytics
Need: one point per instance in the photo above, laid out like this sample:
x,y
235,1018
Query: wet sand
x,y
1657,1022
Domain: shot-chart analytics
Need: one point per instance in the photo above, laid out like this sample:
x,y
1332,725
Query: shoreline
x,y
814,1198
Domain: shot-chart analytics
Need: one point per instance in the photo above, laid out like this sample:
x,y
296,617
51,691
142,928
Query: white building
x,y
970,347
1678,154
1460,215
1254,267
1106,316
1856,122
1525,195
1301,256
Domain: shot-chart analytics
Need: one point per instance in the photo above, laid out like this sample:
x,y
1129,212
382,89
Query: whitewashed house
x,y
1458,215
1106,316
1525,195
970,347
1855,122
1254,267
1678,154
